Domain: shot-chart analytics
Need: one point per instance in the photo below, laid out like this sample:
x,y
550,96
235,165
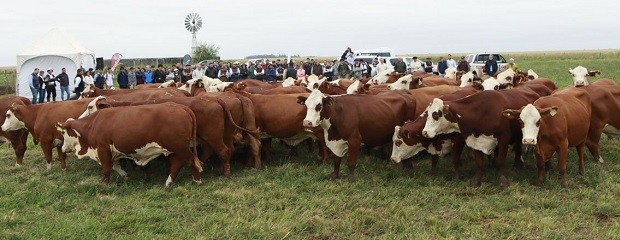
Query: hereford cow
x,y
481,124
40,120
92,91
350,120
16,139
580,75
553,124
605,108
167,84
94,138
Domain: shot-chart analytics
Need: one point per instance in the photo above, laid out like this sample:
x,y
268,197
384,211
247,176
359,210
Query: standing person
x,y
198,72
358,69
252,71
100,79
442,65
186,74
368,71
279,72
344,69
123,79
88,79
400,66
78,83
308,67
109,79
42,85
235,72
335,65
33,82
140,78
290,72
223,74
451,62
328,72
50,85
211,70
428,65
148,75
317,69
159,76
301,73
512,65
132,80
463,65
381,66
259,73
63,79
416,66
243,71
345,54
270,74
350,59
490,66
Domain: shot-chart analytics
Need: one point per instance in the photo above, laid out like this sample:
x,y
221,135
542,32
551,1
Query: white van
x,y
381,52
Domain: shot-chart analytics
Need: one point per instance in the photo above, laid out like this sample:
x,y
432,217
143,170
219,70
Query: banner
x,y
114,60
186,59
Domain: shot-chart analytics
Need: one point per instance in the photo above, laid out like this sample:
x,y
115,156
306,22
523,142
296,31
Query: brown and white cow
x,y
40,120
16,139
350,120
554,124
94,138
93,91
479,120
167,84
580,75
605,108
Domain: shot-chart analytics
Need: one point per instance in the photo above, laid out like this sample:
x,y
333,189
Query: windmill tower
x,y
193,22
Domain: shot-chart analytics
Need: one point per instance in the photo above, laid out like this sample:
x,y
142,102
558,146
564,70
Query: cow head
x,y
315,103
12,120
98,103
531,75
89,91
354,87
70,137
382,77
439,119
400,149
467,79
220,87
451,73
580,75
288,82
169,83
491,84
506,76
530,120
192,85
405,83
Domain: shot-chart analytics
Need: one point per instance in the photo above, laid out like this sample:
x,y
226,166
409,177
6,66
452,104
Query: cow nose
x,y
579,84
529,141
425,134
393,160
307,123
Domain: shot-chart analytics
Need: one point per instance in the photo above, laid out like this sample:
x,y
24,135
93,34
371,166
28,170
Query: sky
x,y
147,28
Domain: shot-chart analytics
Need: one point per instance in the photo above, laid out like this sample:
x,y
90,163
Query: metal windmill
x,y
193,22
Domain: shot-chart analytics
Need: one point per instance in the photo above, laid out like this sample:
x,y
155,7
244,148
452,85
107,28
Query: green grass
x,y
291,197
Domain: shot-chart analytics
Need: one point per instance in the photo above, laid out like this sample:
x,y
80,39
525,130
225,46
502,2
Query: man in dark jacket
x,y
291,72
463,65
123,79
99,79
211,71
308,68
159,76
490,67
442,65
270,73
63,78
400,66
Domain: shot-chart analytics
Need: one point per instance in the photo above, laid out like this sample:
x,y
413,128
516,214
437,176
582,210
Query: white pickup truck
x,y
477,60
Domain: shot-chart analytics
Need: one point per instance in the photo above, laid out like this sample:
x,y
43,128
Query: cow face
x,y
88,91
167,84
315,103
191,84
220,87
70,136
437,121
96,104
288,82
403,83
580,75
530,118
451,73
490,84
400,149
354,87
12,122
468,78
506,76
381,77
531,74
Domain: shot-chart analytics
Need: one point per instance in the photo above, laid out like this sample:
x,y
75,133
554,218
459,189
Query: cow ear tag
x,y
553,111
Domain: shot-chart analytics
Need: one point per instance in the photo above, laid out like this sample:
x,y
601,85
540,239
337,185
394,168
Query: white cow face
x,y
289,82
314,104
219,87
451,73
436,121
70,137
92,107
467,79
490,84
400,149
166,84
87,92
354,87
530,118
580,75
531,74
506,76
12,123
402,83
381,77
189,85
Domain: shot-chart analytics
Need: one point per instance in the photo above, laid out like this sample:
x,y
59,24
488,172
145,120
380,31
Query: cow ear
x,y
59,127
366,87
301,100
551,111
511,114
594,73
103,104
328,100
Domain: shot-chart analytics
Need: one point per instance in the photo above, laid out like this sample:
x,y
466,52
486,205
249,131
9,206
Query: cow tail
x,y
230,118
194,140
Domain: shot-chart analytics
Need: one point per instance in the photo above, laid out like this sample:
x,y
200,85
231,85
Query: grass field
x,y
291,197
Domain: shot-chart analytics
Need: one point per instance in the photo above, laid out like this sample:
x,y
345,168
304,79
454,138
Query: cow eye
x,y
404,82
318,107
538,123
398,143
521,123
90,107
8,115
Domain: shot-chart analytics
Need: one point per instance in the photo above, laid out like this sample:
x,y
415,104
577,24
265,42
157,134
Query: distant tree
x,y
205,51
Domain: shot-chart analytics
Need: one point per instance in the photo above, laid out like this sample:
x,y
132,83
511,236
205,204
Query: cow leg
x,y
175,165
434,160
18,142
336,172
310,144
47,152
63,158
255,147
118,169
191,160
562,158
479,158
517,147
592,142
541,167
266,149
105,158
457,150
581,151
354,151
501,164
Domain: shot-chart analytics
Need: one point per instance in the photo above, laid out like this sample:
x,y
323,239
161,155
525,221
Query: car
x,y
477,60
205,62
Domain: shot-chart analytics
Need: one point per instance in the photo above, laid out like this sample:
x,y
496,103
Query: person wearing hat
x,y
50,85
416,65
512,65
400,66
187,73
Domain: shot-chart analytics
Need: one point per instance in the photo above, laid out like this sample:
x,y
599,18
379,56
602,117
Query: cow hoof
x,y
49,167
475,184
352,178
17,165
503,182
333,177
199,182
600,160
64,169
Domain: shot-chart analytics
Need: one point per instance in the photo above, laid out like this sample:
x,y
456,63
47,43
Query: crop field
x,y
291,197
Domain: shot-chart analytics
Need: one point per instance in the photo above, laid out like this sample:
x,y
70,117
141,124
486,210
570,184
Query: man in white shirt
x,y
199,72
109,79
416,66
451,62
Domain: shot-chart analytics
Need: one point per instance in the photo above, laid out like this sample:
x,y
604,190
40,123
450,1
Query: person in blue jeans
x,y
33,82
42,89
63,78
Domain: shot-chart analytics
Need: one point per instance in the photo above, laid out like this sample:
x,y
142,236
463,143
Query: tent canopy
x,y
56,49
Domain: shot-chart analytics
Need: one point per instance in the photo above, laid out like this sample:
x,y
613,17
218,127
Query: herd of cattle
x,y
192,123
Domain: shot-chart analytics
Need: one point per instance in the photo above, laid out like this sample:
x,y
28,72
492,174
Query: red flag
x,y
114,60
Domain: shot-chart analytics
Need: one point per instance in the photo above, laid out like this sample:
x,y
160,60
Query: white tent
x,y
56,49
